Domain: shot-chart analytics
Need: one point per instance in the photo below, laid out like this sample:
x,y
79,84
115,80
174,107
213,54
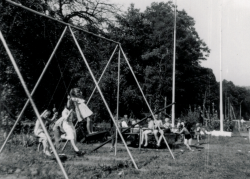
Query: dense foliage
x,y
146,38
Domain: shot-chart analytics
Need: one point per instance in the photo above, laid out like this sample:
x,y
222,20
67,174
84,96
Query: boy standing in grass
x,y
198,133
187,136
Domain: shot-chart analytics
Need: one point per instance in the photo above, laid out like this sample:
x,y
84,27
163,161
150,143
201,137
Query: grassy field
x,y
216,158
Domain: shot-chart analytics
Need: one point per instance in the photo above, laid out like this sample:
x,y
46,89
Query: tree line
x,y
146,38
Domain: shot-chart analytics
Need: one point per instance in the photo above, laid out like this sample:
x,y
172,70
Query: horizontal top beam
x,y
67,24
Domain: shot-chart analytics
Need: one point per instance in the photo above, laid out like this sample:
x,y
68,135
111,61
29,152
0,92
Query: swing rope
x,y
61,77
61,73
67,88
57,85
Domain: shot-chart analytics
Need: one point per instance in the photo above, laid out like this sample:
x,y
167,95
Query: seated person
x,y
58,127
133,121
125,120
147,131
180,122
158,129
167,125
38,131
124,124
135,128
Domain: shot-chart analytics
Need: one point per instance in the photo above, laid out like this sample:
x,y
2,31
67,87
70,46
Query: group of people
x,y
158,128
63,127
77,109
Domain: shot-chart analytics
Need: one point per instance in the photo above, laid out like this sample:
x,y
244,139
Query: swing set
x,y
68,27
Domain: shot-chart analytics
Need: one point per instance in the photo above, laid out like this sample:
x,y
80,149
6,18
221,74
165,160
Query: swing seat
x,y
97,136
82,136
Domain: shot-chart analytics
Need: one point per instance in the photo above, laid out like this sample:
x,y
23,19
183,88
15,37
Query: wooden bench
x,y
171,138
135,138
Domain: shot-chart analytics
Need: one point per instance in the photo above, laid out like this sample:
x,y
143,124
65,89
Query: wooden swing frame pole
x,y
95,88
118,92
34,89
174,61
33,104
100,92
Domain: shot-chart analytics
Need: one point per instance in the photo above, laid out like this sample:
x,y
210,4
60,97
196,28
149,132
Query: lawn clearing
x,y
216,157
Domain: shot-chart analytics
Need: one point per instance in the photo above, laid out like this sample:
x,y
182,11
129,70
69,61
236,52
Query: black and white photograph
x,y
130,89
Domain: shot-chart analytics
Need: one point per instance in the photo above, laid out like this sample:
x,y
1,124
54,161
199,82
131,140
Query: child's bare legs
x,y
73,143
45,145
89,126
142,137
155,134
146,137
198,138
190,141
187,143
44,141
57,137
159,141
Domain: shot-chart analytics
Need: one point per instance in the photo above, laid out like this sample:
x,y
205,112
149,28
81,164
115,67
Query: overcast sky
x,y
235,33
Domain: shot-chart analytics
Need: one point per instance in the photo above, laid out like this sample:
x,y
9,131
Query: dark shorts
x,y
188,136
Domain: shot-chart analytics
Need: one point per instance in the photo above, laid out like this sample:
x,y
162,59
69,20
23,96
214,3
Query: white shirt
x,y
124,124
167,125
158,123
151,124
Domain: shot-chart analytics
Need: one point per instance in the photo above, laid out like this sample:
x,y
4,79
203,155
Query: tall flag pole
x,y
221,99
173,82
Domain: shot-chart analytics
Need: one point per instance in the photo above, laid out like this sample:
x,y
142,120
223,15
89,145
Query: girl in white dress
x,y
38,131
81,109
65,125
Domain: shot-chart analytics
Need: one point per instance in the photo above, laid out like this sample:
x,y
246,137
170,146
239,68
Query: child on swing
x,y
38,131
64,125
81,109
